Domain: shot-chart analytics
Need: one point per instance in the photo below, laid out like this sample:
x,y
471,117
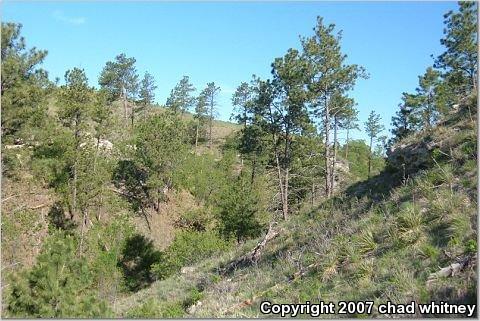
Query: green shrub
x,y
105,244
187,248
173,310
199,219
193,297
149,309
471,246
430,251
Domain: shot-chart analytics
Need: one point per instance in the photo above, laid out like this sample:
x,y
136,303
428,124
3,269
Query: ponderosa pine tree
x,y
146,93
201,117
210,93
350,122
341,107
161,147
255,115
461,42
287,115
101,115
23,85
328,74
241,101
402,122
238,210
78,103
181,99
423,102
119,79
75,101
373,127
58,286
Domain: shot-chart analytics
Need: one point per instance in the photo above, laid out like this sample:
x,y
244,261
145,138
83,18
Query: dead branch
x,y
254,255
453,269
38,206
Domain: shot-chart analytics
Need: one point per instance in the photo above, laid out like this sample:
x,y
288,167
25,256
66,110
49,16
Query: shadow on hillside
x,y
57,218
138,257
377,187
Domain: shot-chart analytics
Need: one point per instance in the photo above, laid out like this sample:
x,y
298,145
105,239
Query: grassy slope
x,y
379,240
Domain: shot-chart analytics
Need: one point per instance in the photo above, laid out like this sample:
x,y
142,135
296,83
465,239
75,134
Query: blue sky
x,y
227,42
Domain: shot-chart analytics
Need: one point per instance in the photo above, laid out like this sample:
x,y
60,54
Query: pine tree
x,y
402,123
119,79
255,133
75,100
146,93
58,286
328,75
181,99
423,103
241,101
239,209
161,147
373,127
461,42
350,122
289,116
210,94
201,117
23,85
341,107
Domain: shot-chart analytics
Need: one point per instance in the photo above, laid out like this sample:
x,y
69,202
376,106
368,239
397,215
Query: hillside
x,y
114,206
27,203
399,236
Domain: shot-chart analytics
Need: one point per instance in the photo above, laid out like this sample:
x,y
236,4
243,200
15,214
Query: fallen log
x,y
453,269
254,255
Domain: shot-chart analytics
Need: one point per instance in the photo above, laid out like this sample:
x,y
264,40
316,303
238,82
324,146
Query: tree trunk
x,y
244,118
254,255
334,160
82,233
370,158
346,146
124,98
313,192
211,125
280,182
95,157
75,175
254,167
279,169
132,116
327,148
287,171
285,198
279,173
74,196
196,136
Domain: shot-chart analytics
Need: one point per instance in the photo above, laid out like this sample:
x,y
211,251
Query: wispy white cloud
x,y
226,90
60,16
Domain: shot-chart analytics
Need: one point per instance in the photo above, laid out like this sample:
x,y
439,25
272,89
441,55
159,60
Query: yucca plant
x,y
366,242
364,271
410,225
459,228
